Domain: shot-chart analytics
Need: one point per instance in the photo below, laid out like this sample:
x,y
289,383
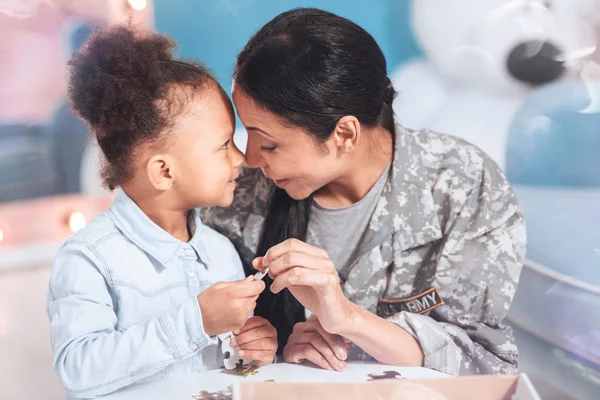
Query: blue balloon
x,y
554,139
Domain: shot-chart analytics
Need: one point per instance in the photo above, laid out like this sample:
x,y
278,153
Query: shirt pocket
x,y
130,267
143,287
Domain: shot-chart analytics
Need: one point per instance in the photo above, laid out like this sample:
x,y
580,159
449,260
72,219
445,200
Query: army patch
x,y
419,304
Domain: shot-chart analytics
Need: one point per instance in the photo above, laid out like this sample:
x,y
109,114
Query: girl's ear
x,y
160,172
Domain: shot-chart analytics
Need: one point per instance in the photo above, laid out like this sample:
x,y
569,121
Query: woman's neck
x,y
159,208
364,169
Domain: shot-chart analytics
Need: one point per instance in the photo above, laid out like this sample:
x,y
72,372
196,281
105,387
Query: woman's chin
x,y
296,191
297,195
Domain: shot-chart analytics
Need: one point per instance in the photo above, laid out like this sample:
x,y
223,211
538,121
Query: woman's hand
x,y
308,272
257,341
310,342
311,277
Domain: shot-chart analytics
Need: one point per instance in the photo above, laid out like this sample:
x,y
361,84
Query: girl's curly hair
x,y
121,83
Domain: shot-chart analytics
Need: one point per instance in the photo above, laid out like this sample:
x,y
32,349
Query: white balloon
x,y
463,86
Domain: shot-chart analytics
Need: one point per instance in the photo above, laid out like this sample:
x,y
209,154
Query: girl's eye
x,y
225,145
268,149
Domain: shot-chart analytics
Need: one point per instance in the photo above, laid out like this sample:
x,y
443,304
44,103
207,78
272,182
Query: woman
x,y
406,245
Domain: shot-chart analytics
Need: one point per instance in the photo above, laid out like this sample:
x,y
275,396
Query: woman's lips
x,y
281,183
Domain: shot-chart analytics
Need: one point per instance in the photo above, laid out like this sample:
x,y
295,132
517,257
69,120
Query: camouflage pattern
x,y
447,218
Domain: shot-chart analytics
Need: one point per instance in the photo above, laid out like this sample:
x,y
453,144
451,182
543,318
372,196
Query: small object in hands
x,y
385,375
231,357
230,354
242,370
226,394
259,275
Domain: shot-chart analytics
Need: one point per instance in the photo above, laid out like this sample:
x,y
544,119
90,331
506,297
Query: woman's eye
x,y
268,149
225,145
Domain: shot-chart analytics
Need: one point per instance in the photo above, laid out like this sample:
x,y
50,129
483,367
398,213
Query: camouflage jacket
x,y
441,256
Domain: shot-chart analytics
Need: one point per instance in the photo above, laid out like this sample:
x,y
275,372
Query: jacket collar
x,y
405,215
148,236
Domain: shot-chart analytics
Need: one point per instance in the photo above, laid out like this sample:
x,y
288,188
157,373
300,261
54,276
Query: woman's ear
x,y
160,171
346,134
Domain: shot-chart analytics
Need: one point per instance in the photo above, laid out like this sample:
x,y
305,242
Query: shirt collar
x,y
406,208
151,238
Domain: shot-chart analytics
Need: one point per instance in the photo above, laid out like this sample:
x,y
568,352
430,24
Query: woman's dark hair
x,y
311,68
121,84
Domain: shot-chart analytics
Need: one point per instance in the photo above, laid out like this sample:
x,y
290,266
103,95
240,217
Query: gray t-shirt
x,y
339,230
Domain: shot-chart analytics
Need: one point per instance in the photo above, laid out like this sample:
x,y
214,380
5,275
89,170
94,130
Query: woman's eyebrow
x,y
253,128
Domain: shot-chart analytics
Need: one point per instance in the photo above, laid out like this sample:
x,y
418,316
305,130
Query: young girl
x,y
143,290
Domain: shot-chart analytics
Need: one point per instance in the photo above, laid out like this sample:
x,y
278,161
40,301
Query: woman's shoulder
x,y
430,154
253,191
459,177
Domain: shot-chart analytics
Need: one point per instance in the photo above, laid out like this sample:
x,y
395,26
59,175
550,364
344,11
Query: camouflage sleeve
x,y
477,274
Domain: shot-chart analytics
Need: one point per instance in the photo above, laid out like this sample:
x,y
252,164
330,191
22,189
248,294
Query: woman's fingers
x,y
317,341
337,343
299,353
299,276
257,264
292,246
296,259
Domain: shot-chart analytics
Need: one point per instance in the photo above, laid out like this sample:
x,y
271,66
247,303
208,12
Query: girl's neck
x,y
162,212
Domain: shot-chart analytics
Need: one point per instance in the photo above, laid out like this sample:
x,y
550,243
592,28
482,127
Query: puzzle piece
x,y
385,375
230,354
226,394
242,370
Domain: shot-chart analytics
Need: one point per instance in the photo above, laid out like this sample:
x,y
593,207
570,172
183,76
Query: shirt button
x,y
193,346
188,252
191,273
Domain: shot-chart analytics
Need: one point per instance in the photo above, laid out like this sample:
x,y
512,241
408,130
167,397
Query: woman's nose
x,y
253,157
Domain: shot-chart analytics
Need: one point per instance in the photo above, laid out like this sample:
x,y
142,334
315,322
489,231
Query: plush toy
x,y
484,57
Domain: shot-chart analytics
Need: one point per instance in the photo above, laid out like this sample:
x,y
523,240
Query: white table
x,y
183,387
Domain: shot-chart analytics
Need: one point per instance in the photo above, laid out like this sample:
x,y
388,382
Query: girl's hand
x,y
257,341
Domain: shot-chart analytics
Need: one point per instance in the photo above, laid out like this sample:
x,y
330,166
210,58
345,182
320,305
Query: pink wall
x,y
34,51
32,71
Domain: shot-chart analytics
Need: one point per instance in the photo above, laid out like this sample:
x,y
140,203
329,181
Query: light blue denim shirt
x,y
122,301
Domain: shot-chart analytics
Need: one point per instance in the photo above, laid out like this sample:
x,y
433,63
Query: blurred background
x,y
519,78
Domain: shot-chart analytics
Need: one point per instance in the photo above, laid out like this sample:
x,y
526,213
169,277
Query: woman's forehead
x,y
260,120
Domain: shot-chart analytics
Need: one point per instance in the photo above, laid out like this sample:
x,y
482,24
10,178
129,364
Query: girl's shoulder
x,y
98,230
